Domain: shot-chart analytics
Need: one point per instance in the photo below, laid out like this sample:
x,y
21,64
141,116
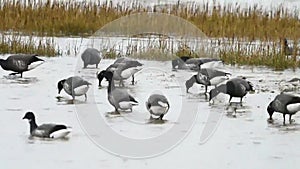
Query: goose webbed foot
x,y
70,101
270,120
13,74
234,112
116,111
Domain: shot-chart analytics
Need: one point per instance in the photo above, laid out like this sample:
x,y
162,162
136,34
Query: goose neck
x,y
111,86
222,88
33,125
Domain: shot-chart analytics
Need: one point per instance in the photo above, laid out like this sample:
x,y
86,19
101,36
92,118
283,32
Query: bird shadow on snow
x,y
122,114
278,124
34,140
18,80
233,109
114,114
197,96
236,109
67,101
156,121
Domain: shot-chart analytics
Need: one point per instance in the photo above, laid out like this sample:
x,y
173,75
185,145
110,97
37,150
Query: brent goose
x,y
119,98
195,64
123,68
285,104
90,56
236,87
74,86
290,85
207,77
158,105
54,131
20,63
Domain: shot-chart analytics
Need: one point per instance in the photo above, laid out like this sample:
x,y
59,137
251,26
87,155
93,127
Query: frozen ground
x,y
216,138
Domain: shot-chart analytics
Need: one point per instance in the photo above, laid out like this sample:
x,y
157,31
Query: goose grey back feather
x,y
45,130
211,73
91,56
154,99
119,95
74,82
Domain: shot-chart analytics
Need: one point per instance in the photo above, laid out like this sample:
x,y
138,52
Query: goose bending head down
x,y
20,63
74,86
119,98
207,77
122,69
236,87
158,105
90,56
54,131
285,104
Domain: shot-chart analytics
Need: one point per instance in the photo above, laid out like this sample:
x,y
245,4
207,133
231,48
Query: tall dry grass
x,y
17,44
65,18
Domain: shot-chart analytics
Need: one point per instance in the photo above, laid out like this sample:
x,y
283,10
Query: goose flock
x,y
157,105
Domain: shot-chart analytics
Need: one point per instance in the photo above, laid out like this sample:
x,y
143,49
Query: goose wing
x,y
158,100
26,58
236,88
129,64
281,102
212,73
76,81
120,95
22,62
45,130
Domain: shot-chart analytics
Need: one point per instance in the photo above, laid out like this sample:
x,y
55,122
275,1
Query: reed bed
x,y
230,22
17,44
268,54
65,18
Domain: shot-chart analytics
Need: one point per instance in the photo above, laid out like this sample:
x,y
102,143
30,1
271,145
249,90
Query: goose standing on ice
x,y
20,63
197,63
290,85
236,87
158,105
123,68
74,86
119,98
186,62
54,131
207,77
90,56
285,104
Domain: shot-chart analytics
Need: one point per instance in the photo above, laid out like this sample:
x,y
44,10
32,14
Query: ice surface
x,y
218,138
